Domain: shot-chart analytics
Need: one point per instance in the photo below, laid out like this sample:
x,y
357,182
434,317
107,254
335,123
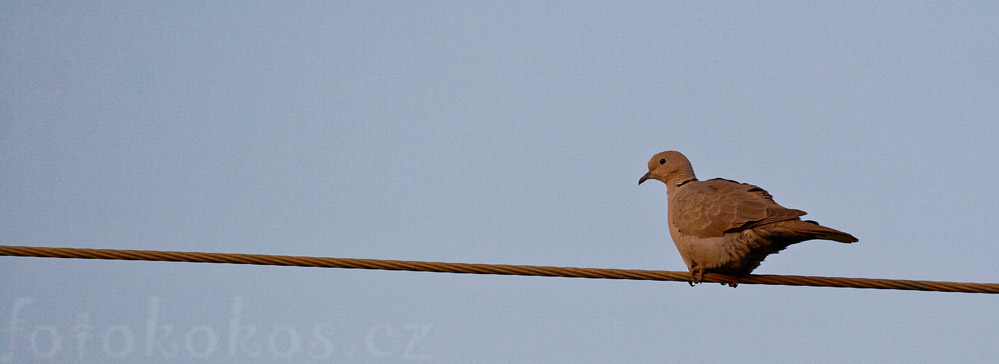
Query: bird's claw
x,y
696,276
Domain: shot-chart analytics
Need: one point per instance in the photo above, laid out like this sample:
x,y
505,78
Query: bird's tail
x,y
812,230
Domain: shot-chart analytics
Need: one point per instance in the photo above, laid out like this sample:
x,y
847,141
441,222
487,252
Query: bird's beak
x,y
645,177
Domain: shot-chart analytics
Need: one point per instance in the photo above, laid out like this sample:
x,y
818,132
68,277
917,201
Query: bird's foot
x,y
733,282
696,276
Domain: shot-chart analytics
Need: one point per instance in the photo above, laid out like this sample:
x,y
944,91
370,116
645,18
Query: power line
x,y
501,269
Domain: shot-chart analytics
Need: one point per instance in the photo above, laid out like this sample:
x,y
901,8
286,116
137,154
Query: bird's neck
x,y
681,183
679,179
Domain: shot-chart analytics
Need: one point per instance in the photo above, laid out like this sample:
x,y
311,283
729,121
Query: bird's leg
x,y
696,275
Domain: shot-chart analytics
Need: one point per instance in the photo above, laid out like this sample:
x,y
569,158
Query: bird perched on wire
x,y
726,227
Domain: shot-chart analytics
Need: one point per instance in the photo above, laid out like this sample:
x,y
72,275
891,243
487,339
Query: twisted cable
x,y
501,269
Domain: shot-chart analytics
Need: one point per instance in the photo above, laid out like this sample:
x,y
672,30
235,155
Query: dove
x,y
726,227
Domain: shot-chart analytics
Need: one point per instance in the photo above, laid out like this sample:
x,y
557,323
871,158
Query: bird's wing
x,y
717,206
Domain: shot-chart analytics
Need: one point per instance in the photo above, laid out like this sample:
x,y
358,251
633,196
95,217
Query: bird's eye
x,y
662,160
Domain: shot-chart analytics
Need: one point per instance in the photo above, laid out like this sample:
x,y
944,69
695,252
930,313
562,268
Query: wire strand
x,y
501,269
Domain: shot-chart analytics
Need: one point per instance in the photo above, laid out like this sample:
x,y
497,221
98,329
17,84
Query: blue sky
x,y
487,132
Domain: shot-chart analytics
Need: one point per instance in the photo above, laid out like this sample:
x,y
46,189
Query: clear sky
x,y
489,132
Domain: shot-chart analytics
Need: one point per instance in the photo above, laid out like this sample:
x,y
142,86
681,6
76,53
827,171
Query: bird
x,y
726,227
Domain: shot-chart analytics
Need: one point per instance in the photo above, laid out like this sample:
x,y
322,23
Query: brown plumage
x,y
727,227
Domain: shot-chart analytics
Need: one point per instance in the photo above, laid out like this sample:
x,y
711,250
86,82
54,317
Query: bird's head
x,y
669,167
